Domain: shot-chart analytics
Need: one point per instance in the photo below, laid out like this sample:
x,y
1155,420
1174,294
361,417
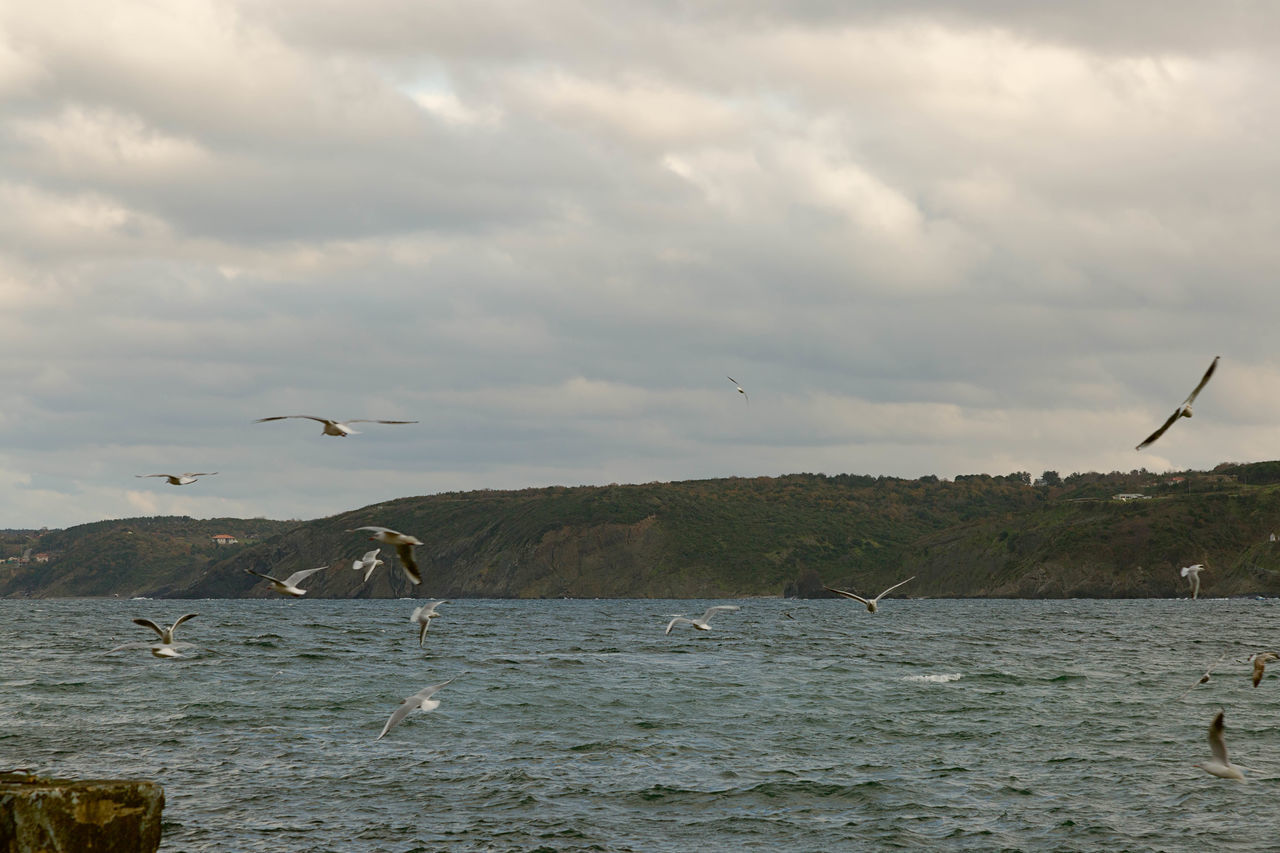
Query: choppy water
x,y
930,725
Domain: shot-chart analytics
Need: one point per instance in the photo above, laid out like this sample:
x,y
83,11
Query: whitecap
x,y
937,679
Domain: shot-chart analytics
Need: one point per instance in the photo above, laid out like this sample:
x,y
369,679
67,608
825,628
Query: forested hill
x,y
974,536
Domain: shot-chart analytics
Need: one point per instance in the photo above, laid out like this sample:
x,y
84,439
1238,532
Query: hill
x,y
975,536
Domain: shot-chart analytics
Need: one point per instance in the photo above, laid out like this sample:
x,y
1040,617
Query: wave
x,y
940,678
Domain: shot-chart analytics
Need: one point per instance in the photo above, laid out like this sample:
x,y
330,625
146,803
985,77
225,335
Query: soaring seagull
x,y
289,586
701,622
1220,766
166,634
1193,572
422,699
422,617
871,603
1183,411
338,428
404,548
1204,678
368,563
1260,665
180,479
739,387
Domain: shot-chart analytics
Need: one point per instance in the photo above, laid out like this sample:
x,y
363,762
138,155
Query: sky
x,y
925,237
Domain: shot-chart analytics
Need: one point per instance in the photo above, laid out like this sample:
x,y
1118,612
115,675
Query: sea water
x,y
580,725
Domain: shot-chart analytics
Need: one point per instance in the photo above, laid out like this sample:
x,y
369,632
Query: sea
x,y
579,725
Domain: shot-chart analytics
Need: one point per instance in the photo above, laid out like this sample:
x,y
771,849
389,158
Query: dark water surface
x,y
930,725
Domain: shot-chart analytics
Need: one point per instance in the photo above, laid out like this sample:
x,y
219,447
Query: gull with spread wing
x,y
331,427
404,548
871,603
180,479
1184,410
289,586
1220,766
422,699
166,634
422,617
701,622
368,562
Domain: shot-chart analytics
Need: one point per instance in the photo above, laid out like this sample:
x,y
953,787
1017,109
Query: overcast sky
x,y
926,237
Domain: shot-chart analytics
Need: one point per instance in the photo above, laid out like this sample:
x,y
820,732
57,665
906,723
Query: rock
x,y
40,815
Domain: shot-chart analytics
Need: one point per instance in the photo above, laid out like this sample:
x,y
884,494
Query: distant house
x,y
1128,496
224,539
42,557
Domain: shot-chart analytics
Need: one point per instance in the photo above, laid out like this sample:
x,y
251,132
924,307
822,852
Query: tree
x,y
1051,478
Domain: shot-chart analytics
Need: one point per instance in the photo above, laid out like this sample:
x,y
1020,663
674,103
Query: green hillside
x,y
974,536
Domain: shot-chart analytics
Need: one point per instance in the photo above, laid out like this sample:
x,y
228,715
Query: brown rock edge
x,y
85,816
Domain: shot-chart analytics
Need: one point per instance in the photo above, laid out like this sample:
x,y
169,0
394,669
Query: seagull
x,y
1260,665
423,616
1204,677
338,428
871,604
368,562
1193,572
404,548
422,699
740,391
1220,766
180,479
701,622
166,634
1183,411
289,586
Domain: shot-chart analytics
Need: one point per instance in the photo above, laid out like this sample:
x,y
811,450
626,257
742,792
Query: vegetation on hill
x,y
974,536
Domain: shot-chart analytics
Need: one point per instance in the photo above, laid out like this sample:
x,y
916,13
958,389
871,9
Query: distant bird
x,y
422,699
1193,572
739,387
166,634
180,479
701,622
404,548
289,586
1260,661
871,603
1204,678
1184,410
368,563
338,428
1220,766
422,616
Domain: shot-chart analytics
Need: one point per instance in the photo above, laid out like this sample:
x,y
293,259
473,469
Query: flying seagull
x,y
422,699
1220,766
289,586
423,616
1204,678
740,391
1260,665
1183,411
180,479
404,548
368,562
1193,572
871,604
338,428
701,622
166,634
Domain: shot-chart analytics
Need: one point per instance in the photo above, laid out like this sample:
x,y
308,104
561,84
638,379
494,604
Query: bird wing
x,y
370,421
1259,668
261,575
1203,381
414,701
370,556
852,595
1149,439
892,588
422,632
731,379
1218,743
717,609
147,623
410,567
283,417
294,578
374,529
200,474
153,475
183,618
672,623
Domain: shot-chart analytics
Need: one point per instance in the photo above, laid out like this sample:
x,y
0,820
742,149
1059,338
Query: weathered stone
x,y
39,815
